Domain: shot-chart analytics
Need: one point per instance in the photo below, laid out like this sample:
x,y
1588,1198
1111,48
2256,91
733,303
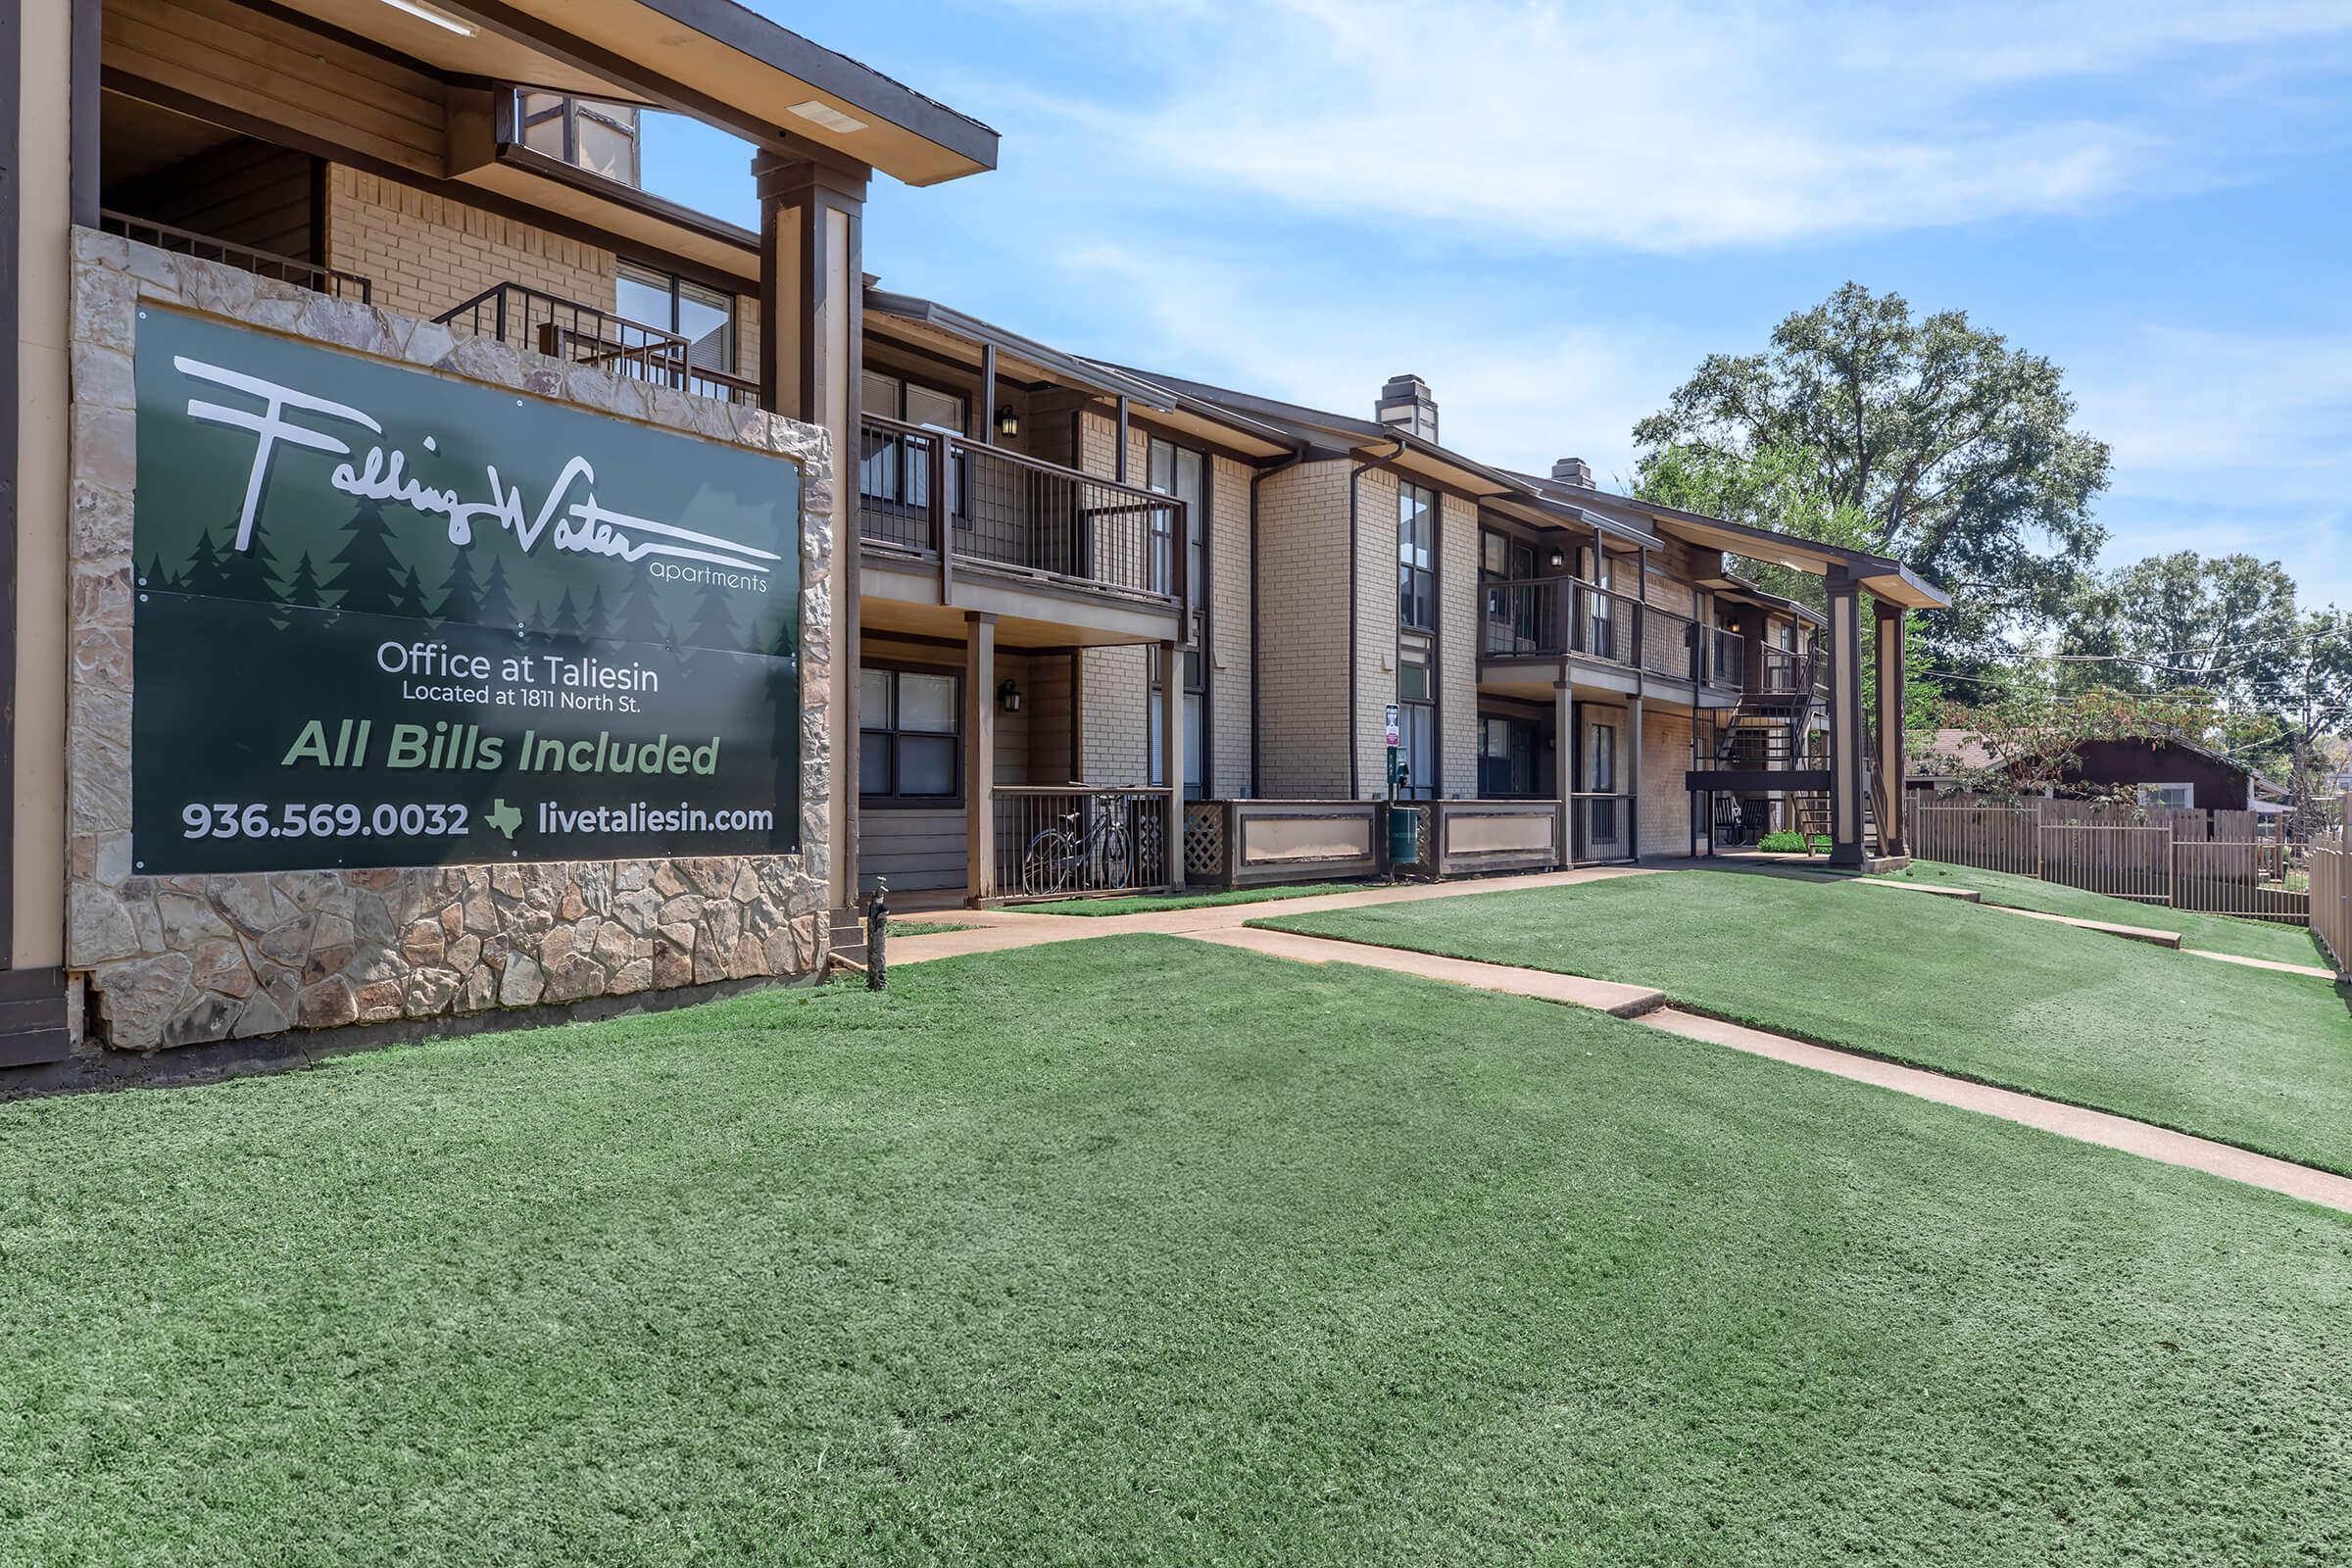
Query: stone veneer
x,y
182,960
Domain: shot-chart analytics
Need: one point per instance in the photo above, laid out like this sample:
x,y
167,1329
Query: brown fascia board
x,y
852,82
1887,579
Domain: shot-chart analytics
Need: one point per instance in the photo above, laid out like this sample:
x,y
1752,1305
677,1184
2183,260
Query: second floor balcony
x,y
1567,617
937,501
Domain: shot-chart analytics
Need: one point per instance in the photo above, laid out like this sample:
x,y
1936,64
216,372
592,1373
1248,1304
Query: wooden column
x,y
1171,752
1563,762
811,328
1894,835
1845,720
980,755
1633,811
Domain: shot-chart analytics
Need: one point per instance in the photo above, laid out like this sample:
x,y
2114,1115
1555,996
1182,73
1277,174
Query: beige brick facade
x,y
1375,624
1302,621
1458,647
1664,806
1229,628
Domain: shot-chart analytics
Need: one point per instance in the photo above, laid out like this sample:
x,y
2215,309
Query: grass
x,y
1141,1251
927,928
1791,843
2249,1057
1146,903
2218,933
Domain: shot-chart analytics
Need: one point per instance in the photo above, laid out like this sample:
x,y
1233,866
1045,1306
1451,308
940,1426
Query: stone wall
x,y
180,961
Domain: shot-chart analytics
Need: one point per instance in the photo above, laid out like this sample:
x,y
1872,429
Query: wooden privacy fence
x,y
2332,892
2208,861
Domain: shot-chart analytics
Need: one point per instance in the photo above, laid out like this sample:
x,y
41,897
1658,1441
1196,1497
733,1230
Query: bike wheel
x,y
1046,864
1118,859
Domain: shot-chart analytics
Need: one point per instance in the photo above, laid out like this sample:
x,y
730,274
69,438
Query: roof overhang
x,y
1885,579
715,60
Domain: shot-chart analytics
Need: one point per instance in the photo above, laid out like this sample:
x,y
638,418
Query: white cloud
x,y
1673,128
1510,393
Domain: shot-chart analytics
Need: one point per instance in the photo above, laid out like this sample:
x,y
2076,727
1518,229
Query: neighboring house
x,y
1171,618
2155,771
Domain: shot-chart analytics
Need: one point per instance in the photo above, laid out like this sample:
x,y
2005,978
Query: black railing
x,y
1785,673
1727,658
1601,827
1062,841
524,318
1546,616
262,263
933,492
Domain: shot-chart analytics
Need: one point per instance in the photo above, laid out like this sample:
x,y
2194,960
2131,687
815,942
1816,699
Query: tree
x,y
2182,622
409,595
460,594
596,622
370,579
251,572
566,623
640,618
204,574
2311,699
1955,446
497,603
303,589
2030,740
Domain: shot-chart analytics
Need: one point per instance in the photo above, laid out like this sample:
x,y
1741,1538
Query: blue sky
x,y
1551,212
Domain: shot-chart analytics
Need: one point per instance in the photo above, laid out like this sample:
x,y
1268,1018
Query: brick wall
x,y
425,254
1664,806
1458,647
1302,540
1375,624
1229,628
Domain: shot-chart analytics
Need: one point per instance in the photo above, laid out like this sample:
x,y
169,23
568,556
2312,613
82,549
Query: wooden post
x,y
1894,836
1171,752
980,755
811,354
1633,810
1563,762
1846,720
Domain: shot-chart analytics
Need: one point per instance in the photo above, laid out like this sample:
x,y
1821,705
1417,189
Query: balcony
x,y
929,495
588,334
262,263
1556,617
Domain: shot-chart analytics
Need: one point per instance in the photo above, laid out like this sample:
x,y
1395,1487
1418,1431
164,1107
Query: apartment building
x,y
925,599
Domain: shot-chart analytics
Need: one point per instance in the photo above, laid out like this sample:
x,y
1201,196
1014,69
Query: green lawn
x,y
2248,1055
1141,1251
927,928
2218,933
1146,903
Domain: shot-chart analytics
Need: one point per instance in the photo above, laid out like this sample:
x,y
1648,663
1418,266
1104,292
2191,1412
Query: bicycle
x,y
1058,855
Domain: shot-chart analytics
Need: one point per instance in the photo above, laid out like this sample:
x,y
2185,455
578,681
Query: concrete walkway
x,y
1227,925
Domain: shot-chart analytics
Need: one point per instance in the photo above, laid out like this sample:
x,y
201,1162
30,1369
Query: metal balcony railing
x,y
527,317
262,263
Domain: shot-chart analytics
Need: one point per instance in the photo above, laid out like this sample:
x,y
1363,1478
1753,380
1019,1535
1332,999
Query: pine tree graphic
x,y
597,623
461,596
409,595
303,590
251,572
498,605
715,621
640,618
566,623
154,577
535,628
204,574
370,579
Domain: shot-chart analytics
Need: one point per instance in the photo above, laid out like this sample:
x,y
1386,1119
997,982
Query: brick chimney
x,y
1573,471
1406,405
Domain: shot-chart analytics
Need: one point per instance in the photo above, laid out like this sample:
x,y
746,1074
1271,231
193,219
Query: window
x,y
1507,759
703,316
1182,472
600,137
893,468
1196,724
1417,556
2182,796
1417,715
910,736
1600,778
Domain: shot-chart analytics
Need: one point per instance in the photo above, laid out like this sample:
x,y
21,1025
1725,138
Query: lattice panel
x,y
1203,839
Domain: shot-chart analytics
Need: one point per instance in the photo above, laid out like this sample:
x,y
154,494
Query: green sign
x,y
386,618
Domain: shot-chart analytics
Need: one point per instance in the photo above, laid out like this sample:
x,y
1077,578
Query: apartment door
x,y
1603,816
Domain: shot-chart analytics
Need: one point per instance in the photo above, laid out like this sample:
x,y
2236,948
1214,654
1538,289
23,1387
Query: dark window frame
x,y
625,264
891,800
1417,585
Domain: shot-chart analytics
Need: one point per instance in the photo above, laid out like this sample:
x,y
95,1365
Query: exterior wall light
x,y
1009,698
1008,422
1558,560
